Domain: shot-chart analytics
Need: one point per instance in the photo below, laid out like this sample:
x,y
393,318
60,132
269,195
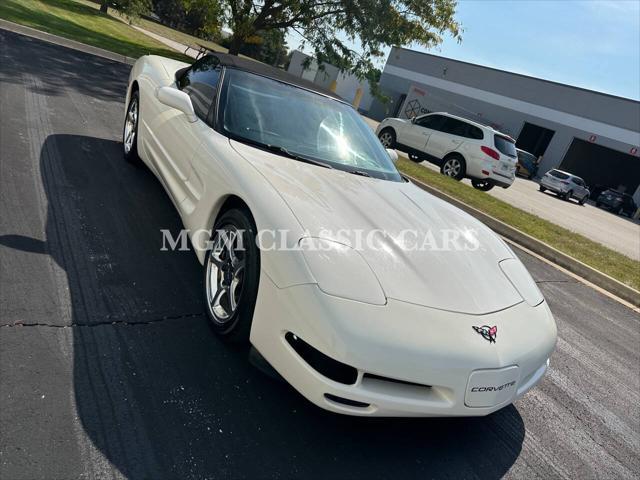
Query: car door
x,y
177,137
449,137
417,134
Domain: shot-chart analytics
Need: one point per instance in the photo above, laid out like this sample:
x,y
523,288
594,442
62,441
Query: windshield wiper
x,y
296,156
359,172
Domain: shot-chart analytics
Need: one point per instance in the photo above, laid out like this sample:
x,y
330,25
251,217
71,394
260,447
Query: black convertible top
x,y
259,68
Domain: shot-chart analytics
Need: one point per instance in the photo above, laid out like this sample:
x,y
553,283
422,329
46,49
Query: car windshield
x,y
505,145
558,174
269,113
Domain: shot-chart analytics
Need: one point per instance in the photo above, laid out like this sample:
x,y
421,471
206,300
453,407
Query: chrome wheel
x,y
225,273
130,124
452,167
386,139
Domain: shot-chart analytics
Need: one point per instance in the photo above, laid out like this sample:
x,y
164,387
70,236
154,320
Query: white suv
x,y
461,147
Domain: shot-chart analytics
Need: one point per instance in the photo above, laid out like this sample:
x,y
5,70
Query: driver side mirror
x,y
392,154
177,99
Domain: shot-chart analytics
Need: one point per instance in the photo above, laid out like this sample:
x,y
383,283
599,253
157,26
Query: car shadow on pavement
x,y
159,396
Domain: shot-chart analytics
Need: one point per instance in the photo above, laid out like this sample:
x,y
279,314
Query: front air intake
x,y
345,401
371,376
327,366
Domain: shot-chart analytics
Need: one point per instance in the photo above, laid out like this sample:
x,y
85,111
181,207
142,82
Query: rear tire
x,y
482,185
454,166
231,278
130,130
387,138
542,189
583,199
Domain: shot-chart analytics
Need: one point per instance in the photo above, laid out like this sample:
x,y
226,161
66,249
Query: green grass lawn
x,y
177,36
158,29
577,246
84,23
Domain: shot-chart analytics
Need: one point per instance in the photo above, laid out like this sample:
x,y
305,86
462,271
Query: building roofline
x,y
552,82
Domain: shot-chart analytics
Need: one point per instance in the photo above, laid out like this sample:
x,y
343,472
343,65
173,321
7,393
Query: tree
x,y
130,8
267,47
197,17
329,27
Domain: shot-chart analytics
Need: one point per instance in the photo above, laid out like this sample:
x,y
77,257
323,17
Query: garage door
x,y
600,165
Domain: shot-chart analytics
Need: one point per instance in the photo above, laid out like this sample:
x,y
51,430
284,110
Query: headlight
x,y
341,271
522,281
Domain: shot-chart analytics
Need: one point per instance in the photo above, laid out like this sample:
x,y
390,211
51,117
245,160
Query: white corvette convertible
x,y
371,297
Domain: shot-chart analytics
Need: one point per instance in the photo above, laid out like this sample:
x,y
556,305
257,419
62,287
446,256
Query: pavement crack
x,y
105,322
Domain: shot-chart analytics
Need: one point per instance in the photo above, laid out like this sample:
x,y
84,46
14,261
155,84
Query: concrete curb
x,y
65,42
576,267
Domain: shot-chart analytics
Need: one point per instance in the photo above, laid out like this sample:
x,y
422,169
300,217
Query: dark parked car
x,y
527,164
617,202
596,190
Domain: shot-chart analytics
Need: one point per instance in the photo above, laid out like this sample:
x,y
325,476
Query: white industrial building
x,y
591,134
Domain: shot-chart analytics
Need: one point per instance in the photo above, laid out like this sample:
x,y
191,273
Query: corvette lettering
x,y
493,389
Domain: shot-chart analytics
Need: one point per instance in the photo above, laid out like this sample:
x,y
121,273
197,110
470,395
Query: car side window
x,y
434,122
200,82
453,126
474,132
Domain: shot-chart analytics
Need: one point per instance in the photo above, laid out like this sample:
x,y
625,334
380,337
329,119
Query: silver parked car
x,y
565,185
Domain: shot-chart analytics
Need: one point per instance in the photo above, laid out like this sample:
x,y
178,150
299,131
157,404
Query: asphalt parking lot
x,y
619,233
108,368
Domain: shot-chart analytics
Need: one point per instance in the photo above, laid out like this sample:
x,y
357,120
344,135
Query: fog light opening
x,y
321,363
345,401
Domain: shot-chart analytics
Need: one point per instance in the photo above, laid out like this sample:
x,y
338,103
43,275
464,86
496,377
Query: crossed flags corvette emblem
x,y
487,332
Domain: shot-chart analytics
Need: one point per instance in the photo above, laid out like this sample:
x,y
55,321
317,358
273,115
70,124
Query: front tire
x,y
130,129
454,166
231,276
387,138
542,189
482,185
567,196
584,199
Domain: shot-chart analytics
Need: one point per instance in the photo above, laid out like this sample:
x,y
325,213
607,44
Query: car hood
x,y
326,202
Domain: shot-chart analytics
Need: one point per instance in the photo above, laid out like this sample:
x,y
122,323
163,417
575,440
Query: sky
x,y
593,44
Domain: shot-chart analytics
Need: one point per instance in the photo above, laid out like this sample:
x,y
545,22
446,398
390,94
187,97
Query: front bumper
x,y
554,188
612,204
438,352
